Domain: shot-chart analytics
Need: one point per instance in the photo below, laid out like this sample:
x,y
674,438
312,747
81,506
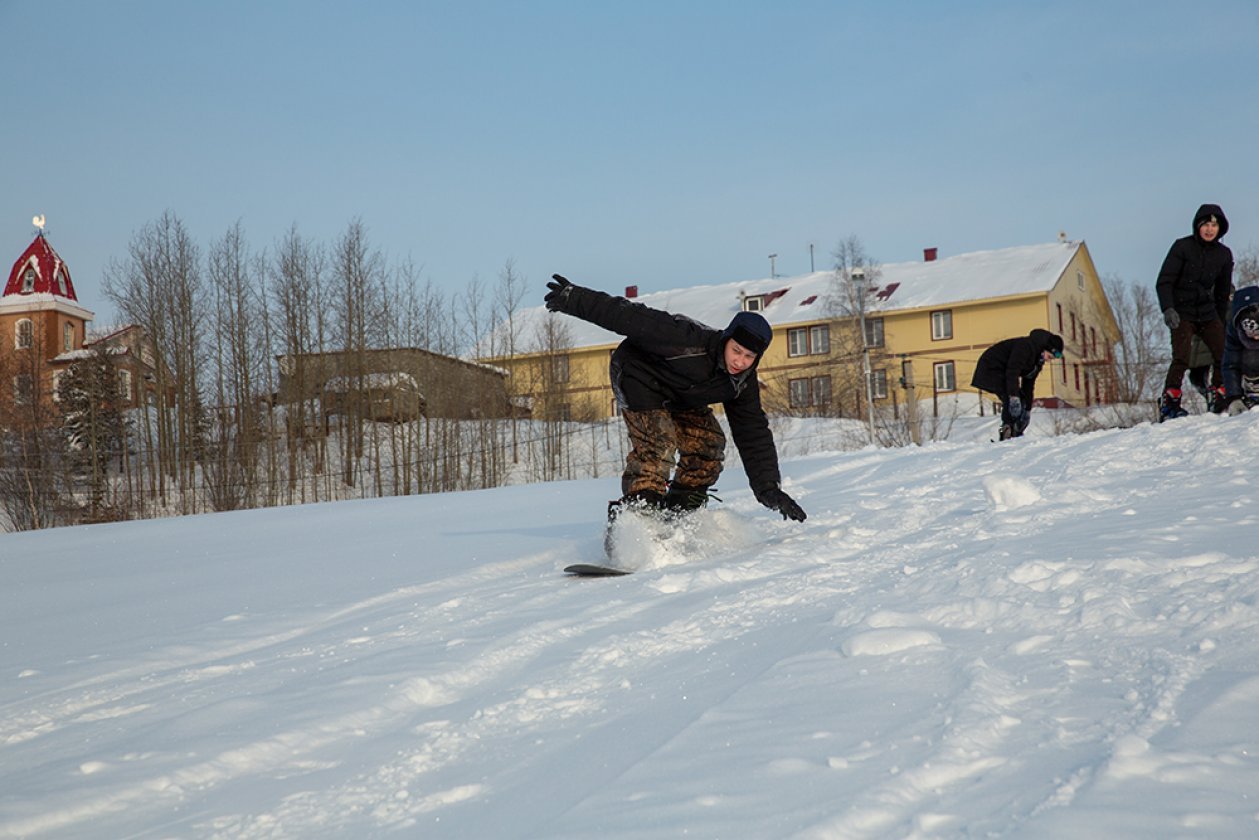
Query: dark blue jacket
x,y
1240,365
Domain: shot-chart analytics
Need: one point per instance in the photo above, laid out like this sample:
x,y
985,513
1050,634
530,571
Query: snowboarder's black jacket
x,y
1197,277
675,363
1009,368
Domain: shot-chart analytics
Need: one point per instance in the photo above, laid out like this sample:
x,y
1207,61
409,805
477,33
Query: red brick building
x,y
40,320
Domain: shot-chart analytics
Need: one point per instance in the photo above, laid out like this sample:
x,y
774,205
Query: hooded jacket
x,y
1009,368
1197,277
1240,365
675,363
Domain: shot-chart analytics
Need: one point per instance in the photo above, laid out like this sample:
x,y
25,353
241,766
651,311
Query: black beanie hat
x,y
751,331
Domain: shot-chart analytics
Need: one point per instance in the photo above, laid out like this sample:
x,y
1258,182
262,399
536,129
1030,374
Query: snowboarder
x,y
1009,369
666,375
1240,367
1194,286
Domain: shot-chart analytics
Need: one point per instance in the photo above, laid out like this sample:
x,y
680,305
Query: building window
x,y
559,367
1073,336
61,282
809,341
1059,308
878,384
820,339
124,385
874,332
798,392
28,279
821,391
67,338
1076,371
753,303
814,392
941,324
24,334
23,389
798,342
945,377
1079,279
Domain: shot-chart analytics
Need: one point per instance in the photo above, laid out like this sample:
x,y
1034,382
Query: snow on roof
x,y
979,275
87,353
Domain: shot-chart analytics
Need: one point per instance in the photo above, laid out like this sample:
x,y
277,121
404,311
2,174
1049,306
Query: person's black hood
x,y
1045,340
1245,305
1205,212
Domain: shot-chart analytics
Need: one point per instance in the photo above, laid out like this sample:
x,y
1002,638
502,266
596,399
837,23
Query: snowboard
x,y
593,570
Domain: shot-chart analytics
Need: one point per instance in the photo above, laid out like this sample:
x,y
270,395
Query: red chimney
x,y
929,254
631,291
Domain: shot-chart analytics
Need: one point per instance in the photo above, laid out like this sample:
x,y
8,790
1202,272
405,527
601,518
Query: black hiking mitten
x,y
1171,318
560,290
775,499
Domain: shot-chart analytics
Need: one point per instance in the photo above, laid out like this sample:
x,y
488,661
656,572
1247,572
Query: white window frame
x,y
24,334
124,384
874,332
754,303
820,391
29,275
945,376
942,325
878,383
797,342
819,339
809,341
799,393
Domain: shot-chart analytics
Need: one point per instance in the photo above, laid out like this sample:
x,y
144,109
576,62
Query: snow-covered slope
x,y
1052,637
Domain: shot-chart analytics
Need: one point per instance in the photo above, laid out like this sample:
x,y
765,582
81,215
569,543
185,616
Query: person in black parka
x,y
1009,369
1194,286
666,375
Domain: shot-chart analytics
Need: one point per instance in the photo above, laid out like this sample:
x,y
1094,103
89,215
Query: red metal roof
x,y
49,274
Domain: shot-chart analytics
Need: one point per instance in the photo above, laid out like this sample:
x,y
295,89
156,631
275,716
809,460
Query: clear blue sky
x,y
665,144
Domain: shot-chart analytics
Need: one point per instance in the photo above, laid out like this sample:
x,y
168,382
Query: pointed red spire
x,y
40,271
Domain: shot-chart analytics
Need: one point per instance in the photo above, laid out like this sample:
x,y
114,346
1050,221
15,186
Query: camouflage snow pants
x,y
657,436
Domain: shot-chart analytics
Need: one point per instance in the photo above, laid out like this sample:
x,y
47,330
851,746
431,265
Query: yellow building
x,y
926,324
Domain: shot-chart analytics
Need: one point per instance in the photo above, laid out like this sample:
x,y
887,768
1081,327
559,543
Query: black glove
x,y
1171,318
560,290
1015,407
775,499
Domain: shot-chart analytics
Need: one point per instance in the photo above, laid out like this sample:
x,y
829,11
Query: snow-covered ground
x,y
1051,637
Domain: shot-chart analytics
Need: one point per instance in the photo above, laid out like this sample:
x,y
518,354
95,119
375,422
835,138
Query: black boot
x,y
1169,405
686,499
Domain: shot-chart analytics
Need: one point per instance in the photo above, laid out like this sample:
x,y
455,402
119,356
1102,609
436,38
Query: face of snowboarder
x,y
738,357
1208,230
